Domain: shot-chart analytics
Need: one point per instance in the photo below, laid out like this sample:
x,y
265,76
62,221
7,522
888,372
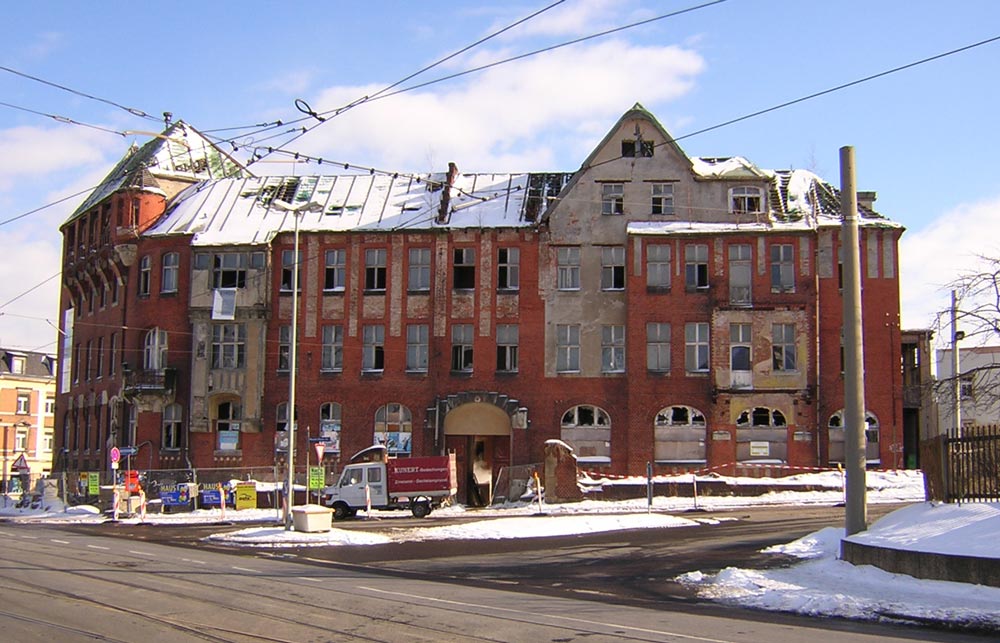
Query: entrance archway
x,y
477,427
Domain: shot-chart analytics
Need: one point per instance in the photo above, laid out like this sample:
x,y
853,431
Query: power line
x,y
29,290
130,110
322,117
63,119
824,92
49,205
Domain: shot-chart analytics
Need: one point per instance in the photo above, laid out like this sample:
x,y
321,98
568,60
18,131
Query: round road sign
x,y
116,455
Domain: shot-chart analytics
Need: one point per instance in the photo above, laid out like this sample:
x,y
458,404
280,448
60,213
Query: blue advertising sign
x,y
175,496
210,497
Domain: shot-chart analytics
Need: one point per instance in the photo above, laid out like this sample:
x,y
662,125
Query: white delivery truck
x,y
418,484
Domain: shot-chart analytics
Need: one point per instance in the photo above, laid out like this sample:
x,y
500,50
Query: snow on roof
x,y
242,210
180,152
734,167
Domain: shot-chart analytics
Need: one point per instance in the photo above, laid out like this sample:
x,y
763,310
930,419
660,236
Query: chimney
x,y
867,200
442,216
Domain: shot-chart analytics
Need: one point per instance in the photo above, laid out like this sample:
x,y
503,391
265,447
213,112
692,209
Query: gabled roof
x,y
637,111
180,153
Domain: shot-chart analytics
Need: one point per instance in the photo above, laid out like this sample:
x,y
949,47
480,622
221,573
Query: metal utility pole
x,y
956,384
856,510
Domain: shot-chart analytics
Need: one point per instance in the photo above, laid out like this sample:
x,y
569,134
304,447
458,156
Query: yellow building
x,y
27,415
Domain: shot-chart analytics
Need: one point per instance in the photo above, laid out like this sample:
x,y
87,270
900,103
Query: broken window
x,y
586,415
783,347
613,268
613,349
144,271
461,348
662,198
508,268
696,349
291,267
632,148
334,276
394,428
761,416
284,347
612,198
373,348
680,416
229,270
464,269
375,272
507,342
745,200
696,266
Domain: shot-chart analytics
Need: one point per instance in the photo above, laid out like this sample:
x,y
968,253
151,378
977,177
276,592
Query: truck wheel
x,y
341,511
420,509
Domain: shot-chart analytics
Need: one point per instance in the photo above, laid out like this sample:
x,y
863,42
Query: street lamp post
x,y
308,206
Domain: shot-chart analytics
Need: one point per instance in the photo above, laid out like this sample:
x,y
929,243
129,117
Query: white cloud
x,y
936,255
580,17
535,106
30,151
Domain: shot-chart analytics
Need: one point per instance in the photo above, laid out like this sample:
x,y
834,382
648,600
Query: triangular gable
x,y
180,152
637,112
613,136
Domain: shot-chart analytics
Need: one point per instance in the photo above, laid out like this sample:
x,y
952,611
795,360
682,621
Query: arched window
x,y
871,424
587,429
329,426
679,435
394,428
761,416
154,350
170,438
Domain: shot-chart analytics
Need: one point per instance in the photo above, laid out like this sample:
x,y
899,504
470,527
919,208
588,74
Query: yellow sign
x,y
93,483
246,495
317,477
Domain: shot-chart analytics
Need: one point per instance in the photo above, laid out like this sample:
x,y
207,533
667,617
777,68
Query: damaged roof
x,y
242,210
180,152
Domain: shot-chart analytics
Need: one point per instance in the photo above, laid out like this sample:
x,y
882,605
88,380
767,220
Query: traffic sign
x,y
127,451
116,455
20,465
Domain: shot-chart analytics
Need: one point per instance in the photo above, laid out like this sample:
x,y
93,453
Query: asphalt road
x,y
121,582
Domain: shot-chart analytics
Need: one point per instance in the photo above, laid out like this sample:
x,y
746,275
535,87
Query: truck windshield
x,y
352,477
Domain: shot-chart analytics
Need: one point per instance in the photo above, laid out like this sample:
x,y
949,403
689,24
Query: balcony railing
x,y
151,382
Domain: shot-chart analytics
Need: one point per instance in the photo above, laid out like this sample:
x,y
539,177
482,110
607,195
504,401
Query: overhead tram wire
x,y
63,119
322,117
553,48
808,97
131,110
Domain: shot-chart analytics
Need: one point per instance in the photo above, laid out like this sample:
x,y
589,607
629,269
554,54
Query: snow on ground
x,y
822,585
819,585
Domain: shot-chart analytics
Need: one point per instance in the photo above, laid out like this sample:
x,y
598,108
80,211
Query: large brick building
x,y
647,308
27,416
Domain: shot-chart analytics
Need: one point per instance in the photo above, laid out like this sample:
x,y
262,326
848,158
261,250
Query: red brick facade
x,y
756,398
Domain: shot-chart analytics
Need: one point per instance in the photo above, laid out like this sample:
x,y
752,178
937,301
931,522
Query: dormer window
x,y
745,200
637,147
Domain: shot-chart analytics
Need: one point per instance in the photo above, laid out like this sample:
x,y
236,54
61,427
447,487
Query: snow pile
x,y
822,585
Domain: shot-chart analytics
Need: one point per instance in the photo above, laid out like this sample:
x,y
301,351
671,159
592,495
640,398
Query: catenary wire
x,y
130,110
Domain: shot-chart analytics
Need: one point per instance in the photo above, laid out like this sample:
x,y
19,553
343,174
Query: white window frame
x,y
568,268
697,348
662,199
612,199
613,268
613,348
567,348
658,266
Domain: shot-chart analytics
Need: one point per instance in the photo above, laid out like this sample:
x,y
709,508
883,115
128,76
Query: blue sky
x,y
925,138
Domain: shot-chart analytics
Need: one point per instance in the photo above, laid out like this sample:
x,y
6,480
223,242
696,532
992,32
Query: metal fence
x,y
963,466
